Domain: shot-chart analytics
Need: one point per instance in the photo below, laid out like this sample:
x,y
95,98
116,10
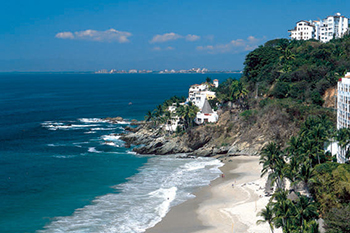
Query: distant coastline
x,y
190,71
123,72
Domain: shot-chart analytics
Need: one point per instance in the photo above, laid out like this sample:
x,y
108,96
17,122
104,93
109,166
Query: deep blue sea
x,y
63,169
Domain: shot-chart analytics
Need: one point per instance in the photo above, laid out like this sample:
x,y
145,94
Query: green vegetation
x,y
162,116
301,70
296,163
338,219
287,79
291,77
304,163
232,90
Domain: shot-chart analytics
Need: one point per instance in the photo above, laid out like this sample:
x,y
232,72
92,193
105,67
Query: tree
x,y
208,80
167,116
187,113
338,219
305,173
149,116
238,92
282,208
272,159
267,215
306,211
270,156
343,138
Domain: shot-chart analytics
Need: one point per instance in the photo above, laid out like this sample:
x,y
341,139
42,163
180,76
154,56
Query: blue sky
x,y
85,35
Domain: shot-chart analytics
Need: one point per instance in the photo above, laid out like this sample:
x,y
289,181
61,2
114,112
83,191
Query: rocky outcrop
x,y
232,135
329,97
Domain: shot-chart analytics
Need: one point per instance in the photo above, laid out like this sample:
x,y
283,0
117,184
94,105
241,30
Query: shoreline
x,y
228,204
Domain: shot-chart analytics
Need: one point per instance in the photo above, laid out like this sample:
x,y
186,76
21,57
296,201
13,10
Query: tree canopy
x,y
295,68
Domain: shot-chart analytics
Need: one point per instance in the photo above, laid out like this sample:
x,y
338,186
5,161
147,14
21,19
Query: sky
x,y
86,35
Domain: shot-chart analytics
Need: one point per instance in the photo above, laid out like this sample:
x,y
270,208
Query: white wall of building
x,y
343,110
204,118
324,30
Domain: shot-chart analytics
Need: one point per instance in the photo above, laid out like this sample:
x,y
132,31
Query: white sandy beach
x,y
229,204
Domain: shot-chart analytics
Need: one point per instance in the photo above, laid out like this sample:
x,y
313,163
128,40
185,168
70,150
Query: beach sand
x,y
229,204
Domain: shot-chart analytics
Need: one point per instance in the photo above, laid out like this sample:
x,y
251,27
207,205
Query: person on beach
x,y
222,175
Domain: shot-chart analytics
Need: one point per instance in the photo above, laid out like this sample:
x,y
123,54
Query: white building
x,y
343,110
198,93
174,122
335,26
206,114
216,83
304,30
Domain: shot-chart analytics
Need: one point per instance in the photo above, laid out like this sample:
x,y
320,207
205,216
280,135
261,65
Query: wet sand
x,y
229,204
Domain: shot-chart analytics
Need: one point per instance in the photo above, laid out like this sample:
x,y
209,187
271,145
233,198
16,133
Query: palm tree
x,y
149,116
343,138
319,135
311,227
270,157
305,174
282,208
293,148
237,92
187,113
267,214
308,149
291,169
306,210
159,110
208,80
167,116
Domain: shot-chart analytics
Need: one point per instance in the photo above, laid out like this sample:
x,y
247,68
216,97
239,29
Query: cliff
x,y
233,134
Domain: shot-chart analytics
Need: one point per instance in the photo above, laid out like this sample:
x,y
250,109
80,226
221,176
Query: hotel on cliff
x,y
332,27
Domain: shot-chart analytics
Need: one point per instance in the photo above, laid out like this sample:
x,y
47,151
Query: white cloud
x,y
190,37
234,46
173,36
157,48
165,37
102,36
65,35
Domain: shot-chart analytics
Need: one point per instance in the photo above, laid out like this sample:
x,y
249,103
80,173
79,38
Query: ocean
x,y
64,169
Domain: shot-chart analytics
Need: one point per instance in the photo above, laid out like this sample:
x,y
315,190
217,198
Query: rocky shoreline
x,y
230,136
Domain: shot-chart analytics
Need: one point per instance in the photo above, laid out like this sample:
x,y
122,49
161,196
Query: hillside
x,y
283,83
301,70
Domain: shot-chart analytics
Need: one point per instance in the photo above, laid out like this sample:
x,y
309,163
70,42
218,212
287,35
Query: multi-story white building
x,y
343,110
304,30
332,27
198,93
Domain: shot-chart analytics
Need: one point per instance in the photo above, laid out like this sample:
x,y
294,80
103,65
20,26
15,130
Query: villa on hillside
x,y
206,114
198,94
332,27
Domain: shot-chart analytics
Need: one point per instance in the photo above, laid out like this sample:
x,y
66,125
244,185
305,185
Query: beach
x,y
229,204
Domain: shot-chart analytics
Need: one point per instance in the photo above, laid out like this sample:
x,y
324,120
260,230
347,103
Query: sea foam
x,y
163,182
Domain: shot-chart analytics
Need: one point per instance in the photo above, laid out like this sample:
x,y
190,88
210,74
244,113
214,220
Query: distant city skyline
x,y
152,35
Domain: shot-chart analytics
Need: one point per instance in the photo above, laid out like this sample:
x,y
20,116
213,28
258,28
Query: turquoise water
x,y
62,169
